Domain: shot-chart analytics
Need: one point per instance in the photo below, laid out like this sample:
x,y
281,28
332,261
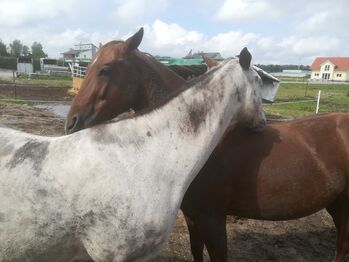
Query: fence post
x,y
318,102
14,82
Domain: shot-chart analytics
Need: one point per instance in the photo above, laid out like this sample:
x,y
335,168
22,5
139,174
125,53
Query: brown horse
x,y
288,171
122,78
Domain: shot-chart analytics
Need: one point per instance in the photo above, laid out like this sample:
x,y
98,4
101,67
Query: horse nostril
x,y
72,124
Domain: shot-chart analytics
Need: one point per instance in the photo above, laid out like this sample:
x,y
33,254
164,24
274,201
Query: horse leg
x,y
213,231
196,243
339,210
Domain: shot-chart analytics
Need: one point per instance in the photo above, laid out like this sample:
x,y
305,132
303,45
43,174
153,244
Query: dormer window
x,y
327,67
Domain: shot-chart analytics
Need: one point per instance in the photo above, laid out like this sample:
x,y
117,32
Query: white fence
x,y
77,71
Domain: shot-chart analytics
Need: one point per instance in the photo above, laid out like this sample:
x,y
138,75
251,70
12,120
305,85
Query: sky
x,y
275,31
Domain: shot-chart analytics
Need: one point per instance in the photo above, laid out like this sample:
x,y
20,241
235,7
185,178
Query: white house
x,y
80,52
330,68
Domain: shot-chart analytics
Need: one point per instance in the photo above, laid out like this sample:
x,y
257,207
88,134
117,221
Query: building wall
x,y
25,68
341,76
327,71
315,75
85,54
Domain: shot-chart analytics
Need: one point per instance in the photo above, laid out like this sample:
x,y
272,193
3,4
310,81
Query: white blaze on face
x,y
95,60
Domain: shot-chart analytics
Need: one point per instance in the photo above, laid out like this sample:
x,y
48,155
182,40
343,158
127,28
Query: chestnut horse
x,y
290,170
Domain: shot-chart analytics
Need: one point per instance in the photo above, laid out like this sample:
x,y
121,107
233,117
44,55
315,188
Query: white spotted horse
x,y
112,192
289,171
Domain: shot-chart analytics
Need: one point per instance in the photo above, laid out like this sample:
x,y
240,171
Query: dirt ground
x,y
308,239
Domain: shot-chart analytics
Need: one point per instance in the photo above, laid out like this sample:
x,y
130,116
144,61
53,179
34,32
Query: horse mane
x,y
202,79
149,66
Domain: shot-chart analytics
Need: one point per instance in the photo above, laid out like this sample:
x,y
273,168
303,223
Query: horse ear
x,y
134,41
209,62
245,58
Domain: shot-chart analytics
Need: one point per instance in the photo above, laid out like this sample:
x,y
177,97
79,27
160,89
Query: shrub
x,y
8,62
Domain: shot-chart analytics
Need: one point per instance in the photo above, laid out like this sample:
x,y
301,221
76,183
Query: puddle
x,y
58,109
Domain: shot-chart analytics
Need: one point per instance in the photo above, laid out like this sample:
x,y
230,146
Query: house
x,y
80,53
330,68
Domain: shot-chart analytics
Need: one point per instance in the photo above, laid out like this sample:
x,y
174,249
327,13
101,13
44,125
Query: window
x,y
339,75
316,74
326,76
327,67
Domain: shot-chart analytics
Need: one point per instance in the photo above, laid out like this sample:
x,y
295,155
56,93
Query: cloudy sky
x,y
275,31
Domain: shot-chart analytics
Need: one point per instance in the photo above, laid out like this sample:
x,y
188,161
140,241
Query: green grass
x,y
63,82
292,79
334,98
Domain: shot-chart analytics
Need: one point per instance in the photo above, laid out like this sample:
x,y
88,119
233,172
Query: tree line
x,y
17,49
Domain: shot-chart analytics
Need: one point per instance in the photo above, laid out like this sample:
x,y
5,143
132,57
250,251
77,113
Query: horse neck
x,y
180,135
158,80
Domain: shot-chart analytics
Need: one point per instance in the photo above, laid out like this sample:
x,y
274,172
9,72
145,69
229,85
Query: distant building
x,y
189,66
198,55
292,73
330,68
25,65
80,53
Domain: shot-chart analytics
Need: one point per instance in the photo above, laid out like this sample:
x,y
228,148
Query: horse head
x,y
249,94
118,79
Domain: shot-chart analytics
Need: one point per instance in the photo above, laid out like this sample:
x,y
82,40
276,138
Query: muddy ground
x,y
308,239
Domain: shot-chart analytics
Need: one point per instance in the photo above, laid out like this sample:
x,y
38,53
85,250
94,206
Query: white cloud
x,y
171,39
135,11
21,12
315,22
172,34
246,9
312,45
230,43
56,42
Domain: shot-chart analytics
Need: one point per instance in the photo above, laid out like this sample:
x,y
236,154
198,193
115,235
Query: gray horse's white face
x,y
251,112
248,94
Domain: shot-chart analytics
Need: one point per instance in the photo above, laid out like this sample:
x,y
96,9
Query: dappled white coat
x,y
114,190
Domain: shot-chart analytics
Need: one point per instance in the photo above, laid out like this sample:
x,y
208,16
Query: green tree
x,y
16,48
37,50
25,50
3,49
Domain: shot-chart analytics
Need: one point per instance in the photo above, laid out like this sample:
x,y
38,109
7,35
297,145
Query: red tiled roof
x,y
341,63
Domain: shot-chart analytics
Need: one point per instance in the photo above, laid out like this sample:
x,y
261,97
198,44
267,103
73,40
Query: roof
x,y
341,63
180,61
72,51
198,55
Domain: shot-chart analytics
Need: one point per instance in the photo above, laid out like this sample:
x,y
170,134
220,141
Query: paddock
x,y
307,239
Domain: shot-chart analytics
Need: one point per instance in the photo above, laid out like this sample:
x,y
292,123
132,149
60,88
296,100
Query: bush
x,y
7,62
36,64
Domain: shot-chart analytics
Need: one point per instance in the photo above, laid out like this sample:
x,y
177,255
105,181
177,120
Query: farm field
x,y
299,99
308,239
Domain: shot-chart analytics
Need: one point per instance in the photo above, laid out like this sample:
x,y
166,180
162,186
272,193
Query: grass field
x,y
299,99
295,97
64,82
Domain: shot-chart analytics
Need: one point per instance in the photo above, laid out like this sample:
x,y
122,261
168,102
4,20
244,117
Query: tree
x,y
37,50
3,49
16,48
25,50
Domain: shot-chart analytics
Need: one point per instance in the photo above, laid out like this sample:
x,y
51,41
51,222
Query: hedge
x,y
7,62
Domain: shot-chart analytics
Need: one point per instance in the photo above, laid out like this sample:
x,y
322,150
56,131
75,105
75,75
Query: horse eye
x,y
105,71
